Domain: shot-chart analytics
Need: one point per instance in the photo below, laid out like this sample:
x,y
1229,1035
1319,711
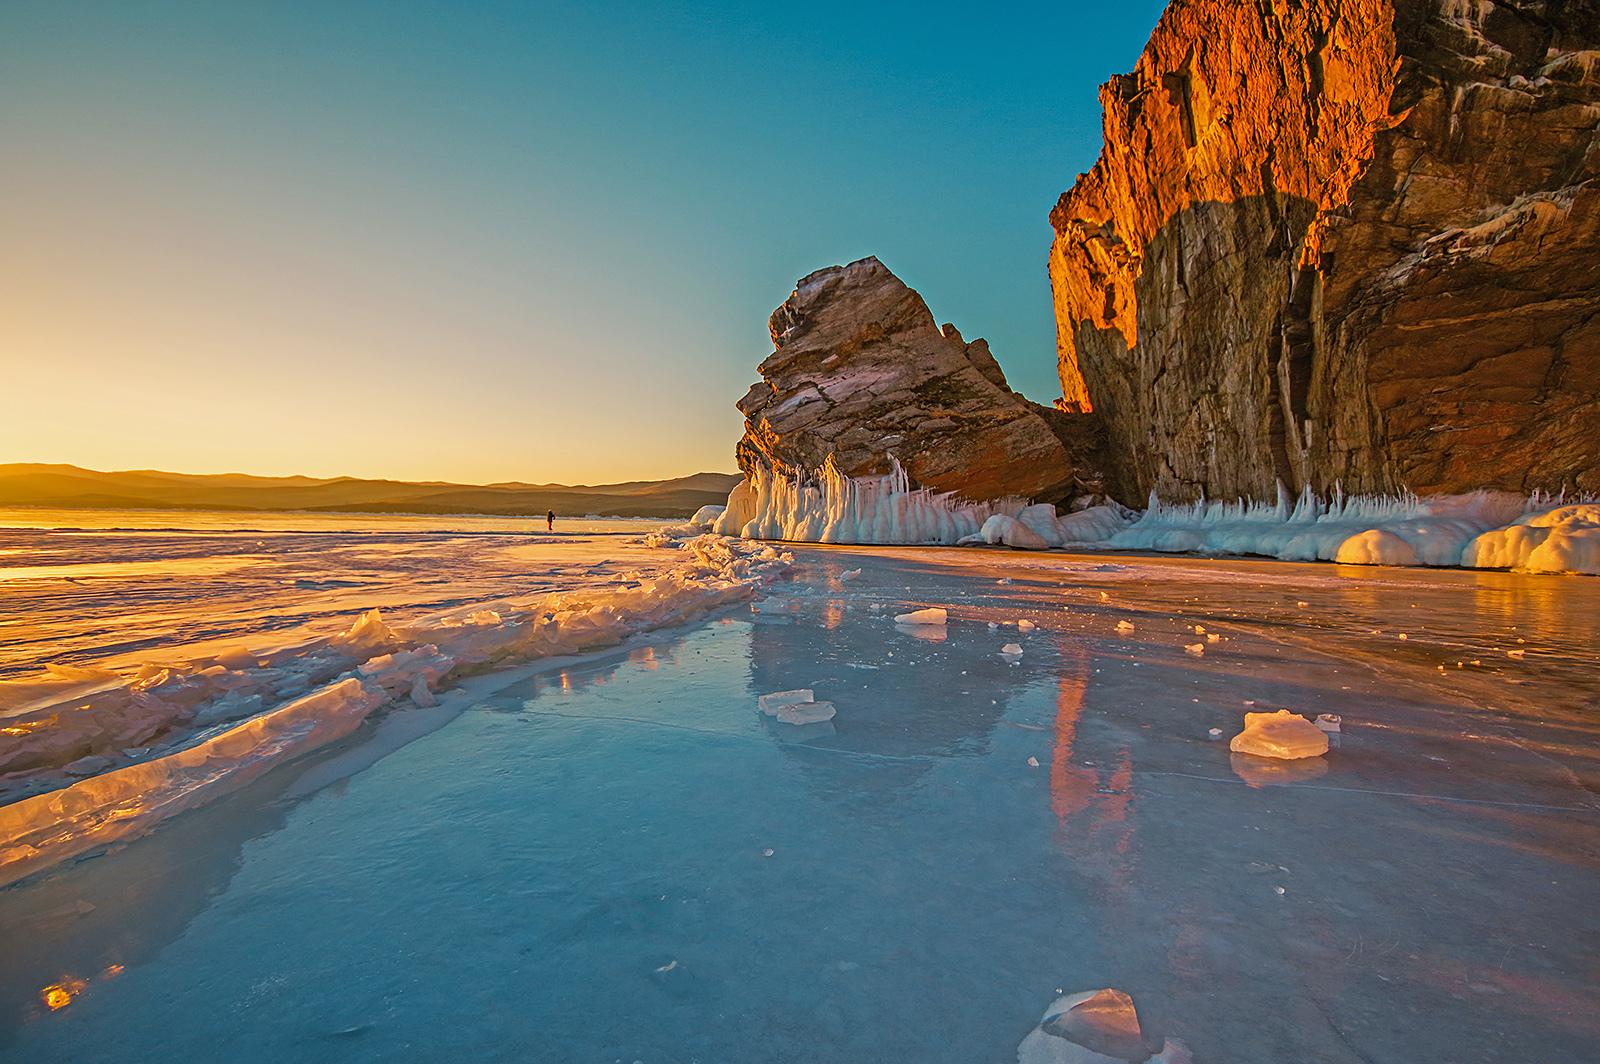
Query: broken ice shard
x,y
931,615
1284,735
795,707
1096,1027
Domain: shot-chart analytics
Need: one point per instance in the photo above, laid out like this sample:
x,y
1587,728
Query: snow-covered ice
x,y
211,704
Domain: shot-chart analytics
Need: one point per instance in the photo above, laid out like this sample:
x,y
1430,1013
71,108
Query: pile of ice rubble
x,y
172,735
1484,529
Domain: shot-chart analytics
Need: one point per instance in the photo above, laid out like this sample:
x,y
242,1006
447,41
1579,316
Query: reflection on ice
x,y
630,839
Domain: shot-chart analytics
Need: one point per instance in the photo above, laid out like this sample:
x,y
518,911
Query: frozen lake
x,y
622,861
115,587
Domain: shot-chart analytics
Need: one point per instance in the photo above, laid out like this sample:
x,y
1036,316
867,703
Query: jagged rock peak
x,y
861,370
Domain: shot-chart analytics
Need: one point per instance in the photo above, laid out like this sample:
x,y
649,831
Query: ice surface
x,y
79,725
1282,734
564,839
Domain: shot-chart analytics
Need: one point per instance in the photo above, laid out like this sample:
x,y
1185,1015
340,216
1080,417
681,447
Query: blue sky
x,y
486,241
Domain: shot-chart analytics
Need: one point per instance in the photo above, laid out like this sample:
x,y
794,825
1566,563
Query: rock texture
x,y
1352,241
860,370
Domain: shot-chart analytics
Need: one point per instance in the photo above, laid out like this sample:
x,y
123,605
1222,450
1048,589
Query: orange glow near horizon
x,y
220,337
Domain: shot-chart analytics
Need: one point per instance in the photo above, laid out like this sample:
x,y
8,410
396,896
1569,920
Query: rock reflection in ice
x,y
626,861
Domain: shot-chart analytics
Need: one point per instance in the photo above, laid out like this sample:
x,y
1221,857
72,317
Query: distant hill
x,y
34,484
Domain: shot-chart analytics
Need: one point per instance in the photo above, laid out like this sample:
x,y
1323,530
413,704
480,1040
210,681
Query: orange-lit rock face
x,y
861,370
1344,240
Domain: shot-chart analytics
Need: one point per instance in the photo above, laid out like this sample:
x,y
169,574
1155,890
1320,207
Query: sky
x,y
484,241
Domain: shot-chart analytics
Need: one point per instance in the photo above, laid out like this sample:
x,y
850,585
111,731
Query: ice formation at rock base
x,y
1483,529
195,730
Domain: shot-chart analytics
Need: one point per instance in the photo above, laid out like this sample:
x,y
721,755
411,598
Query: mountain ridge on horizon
x,y
74,487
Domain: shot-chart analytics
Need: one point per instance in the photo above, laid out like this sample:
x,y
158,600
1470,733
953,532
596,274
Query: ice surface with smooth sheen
x,y
617,858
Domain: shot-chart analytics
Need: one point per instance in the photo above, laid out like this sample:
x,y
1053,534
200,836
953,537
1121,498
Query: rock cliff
x,y
1351,241
860,370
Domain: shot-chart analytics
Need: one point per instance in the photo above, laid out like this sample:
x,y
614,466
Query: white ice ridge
x,y
829,507
1482,529
174,735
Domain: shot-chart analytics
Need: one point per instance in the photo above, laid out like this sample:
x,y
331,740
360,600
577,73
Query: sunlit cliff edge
x,y
1349,242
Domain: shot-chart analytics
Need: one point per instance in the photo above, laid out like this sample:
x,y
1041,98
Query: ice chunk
x,y
805,713
1195,650
420,694
125,802
236,658
1104,1021
1565,539
367,633
1283,735
770,704
1040,518
675,979
795,707
87,766
1011,650
849,574
706,516
1096,1027
1094,525
1011,532
231,706
1329,722
1124,626
1026,626
931,615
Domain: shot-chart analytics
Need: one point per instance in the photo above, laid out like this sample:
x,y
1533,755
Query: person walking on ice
x,y
550,520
